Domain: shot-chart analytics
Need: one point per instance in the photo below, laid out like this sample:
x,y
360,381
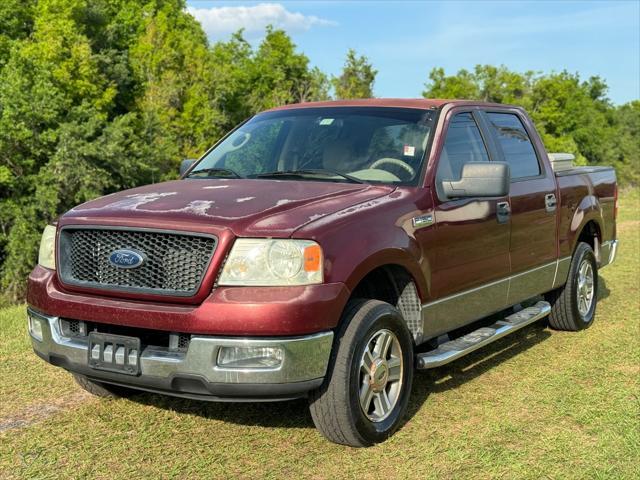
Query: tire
x,y
103,390
570,311
336,406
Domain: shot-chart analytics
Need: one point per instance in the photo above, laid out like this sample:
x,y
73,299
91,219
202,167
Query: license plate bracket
x,y
114,353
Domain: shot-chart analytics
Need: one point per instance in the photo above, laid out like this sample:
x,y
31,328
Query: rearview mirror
x,y
480,179
186,165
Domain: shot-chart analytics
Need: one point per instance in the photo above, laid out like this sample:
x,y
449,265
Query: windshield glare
x,y
369,144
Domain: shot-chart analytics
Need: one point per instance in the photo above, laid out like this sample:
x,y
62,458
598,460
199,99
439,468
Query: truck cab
x,y
325,250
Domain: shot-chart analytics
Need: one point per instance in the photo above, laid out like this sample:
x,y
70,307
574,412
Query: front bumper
x,y
227,311
194,372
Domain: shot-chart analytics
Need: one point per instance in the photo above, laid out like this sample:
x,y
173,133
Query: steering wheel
x,y
394,161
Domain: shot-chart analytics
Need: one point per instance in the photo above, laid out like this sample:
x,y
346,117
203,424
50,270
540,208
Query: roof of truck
x,y
423,103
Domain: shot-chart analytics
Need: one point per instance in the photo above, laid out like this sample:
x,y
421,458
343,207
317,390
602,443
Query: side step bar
x,y
454,349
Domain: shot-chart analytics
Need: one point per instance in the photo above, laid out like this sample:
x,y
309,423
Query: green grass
x,y
537,404
26,381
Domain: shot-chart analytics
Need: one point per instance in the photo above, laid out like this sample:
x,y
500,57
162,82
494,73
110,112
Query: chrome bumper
x,y
608,252
194,372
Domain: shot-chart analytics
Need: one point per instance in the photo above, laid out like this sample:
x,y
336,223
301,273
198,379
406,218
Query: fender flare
x,y
390,257
588,210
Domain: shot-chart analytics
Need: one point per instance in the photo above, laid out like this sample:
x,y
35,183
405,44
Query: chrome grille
x,y
174,263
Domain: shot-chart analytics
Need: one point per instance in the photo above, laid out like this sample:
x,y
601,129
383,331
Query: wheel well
x,y
590,234
394,284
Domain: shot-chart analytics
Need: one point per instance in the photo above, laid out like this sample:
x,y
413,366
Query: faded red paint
x,y
360,228
225,310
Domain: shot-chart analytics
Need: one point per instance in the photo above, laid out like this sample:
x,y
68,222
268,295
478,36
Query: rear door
x,y
469,278
533,204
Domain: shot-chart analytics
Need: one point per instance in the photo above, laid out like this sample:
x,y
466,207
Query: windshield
x,y
340,144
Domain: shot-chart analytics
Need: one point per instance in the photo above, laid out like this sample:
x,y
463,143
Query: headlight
x,y
47,253
250,357
266,262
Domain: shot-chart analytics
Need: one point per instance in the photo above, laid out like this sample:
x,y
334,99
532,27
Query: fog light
x,y
250,357
35,328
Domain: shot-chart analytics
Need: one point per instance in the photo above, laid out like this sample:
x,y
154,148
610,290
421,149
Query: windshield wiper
x,y
309,171
211,172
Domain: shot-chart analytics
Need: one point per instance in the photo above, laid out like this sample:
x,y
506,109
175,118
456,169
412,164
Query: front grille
x,y
173,263
183,340
156,338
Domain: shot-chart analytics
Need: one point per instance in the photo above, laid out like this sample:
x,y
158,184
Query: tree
x,y
314,87
85,106
463,85
278,74
357,78
626,154
571,115
16,23
50,87
486,83
274,74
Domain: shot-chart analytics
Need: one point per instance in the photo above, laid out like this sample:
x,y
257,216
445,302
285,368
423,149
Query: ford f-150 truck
x,y
326,250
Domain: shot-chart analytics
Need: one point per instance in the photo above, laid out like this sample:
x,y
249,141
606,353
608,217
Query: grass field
x,y
537,404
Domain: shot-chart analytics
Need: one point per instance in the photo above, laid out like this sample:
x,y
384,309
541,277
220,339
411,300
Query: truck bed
x,y
586,192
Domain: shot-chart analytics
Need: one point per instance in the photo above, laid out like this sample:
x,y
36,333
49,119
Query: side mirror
x,y
186,165
480,179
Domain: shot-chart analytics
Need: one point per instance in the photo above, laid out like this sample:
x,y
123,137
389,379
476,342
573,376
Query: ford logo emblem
x,y
125,259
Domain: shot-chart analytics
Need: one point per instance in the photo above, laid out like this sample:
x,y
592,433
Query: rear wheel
x,y
366,392
573,306
103,390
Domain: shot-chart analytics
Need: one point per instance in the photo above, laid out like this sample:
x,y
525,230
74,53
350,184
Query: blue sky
x,y
405,39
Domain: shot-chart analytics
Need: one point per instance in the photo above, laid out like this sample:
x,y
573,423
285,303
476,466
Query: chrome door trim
x,y
465,292
531,282
446,314
456,310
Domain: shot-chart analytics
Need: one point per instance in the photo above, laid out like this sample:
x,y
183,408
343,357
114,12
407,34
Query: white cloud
x,y
219,22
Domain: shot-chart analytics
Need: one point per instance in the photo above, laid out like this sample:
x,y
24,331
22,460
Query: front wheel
x,y
573,306
366,392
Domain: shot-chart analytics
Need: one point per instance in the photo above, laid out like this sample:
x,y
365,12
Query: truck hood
x,y
250,208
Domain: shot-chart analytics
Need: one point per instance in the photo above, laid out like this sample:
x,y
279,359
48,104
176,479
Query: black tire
x,y
335,406
565,312
103,390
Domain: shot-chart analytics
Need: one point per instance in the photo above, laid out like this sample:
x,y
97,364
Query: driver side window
x,y
463,144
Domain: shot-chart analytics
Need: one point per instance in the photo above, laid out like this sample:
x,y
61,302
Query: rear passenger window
x,y
516,145
463,144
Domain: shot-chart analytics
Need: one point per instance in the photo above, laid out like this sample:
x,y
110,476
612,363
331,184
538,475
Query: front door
x,y
469,278
533,207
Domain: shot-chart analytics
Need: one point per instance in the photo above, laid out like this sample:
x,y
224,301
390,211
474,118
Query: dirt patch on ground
x,y
41,411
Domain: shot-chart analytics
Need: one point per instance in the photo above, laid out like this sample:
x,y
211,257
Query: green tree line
x,y
101,95
572,115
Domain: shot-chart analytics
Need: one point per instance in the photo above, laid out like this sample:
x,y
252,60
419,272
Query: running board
x,y
454,349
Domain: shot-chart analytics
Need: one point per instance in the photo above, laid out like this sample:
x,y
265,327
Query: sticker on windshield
x,y
326,121
409,150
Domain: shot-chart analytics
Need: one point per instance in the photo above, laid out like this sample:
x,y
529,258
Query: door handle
x,y
550,202
503,212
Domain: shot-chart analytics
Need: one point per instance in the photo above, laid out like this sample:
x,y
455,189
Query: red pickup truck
x,y
326,250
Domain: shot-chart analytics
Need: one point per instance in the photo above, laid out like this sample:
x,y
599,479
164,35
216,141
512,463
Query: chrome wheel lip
x,y
585,288
380,378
